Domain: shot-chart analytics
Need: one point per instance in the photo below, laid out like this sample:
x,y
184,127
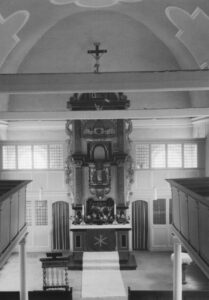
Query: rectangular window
x,y
41,212
159,211
158,155
29,213
24,156
174,156
40,157
56,156
190,155
142,156
9,157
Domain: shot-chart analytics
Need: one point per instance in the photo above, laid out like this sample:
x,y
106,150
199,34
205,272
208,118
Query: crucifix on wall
x,y
97,54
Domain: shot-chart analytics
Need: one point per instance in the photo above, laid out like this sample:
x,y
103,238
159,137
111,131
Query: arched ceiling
x,y
53,36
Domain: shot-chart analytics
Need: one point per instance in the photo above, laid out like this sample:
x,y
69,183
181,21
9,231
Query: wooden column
x,y
120,163
120,135
177,270
78,184
23,292
77,136
120,184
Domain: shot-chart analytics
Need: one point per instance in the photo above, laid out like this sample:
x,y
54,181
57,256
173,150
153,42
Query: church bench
x,y
8,295
50,295
166,295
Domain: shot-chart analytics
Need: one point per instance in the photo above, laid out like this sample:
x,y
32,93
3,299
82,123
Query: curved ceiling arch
x,y
63,47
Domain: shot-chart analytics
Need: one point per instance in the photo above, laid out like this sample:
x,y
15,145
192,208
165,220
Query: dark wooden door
x,y
140,225
60,211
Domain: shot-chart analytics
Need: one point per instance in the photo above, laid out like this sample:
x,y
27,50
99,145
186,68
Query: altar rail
x,y
190,208
12,215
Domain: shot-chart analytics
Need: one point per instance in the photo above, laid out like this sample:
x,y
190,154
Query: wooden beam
x,y
105,114
156,81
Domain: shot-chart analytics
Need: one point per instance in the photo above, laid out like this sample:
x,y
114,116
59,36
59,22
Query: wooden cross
x,y
97,54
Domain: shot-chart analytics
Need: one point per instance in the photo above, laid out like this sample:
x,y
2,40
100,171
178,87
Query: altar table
x,y
100,237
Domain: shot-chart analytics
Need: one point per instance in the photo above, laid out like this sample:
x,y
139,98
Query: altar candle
x,y
82,210
115,209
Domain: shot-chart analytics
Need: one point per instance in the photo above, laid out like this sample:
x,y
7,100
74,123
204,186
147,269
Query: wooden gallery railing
x,y
190,209
12,215
55,271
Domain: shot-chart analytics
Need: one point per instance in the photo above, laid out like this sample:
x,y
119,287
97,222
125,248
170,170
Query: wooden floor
x,y
154,272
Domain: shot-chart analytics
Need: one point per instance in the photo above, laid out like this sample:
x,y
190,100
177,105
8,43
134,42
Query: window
x,y
142,156
158,155
24,156
29,213
190,155
174,156
41,212
56,156
166,155
159,211
9,157
40,156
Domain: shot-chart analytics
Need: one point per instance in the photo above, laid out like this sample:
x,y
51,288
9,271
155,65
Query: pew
x,y
50,295
9,295
166,295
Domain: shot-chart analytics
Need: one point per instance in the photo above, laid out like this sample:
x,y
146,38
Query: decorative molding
x,y
92,3
192,32
9,28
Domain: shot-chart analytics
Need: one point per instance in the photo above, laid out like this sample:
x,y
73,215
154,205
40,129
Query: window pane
x,y
40,156
41,213
190,155
9,157
159,211
24,154
142,156
158,155
29,213
56,156
174,156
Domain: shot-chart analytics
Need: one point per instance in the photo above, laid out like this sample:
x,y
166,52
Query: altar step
x,y
101,261
126,259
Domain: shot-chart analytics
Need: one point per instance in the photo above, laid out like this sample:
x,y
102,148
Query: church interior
x,y
104,143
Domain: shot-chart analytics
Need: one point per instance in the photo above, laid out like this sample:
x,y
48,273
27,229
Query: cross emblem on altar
x,y
100,240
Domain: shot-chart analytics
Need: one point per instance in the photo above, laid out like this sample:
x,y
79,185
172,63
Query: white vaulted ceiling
x,y
53,36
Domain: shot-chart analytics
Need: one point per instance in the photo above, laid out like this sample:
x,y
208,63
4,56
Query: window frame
x,y
166,143
32,144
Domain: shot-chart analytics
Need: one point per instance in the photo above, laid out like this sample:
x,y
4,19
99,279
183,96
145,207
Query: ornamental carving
x,y
101,129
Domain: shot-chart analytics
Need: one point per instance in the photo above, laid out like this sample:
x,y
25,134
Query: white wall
x,y
148,181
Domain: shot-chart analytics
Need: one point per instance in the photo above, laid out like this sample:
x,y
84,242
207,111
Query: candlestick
x,y
115,215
